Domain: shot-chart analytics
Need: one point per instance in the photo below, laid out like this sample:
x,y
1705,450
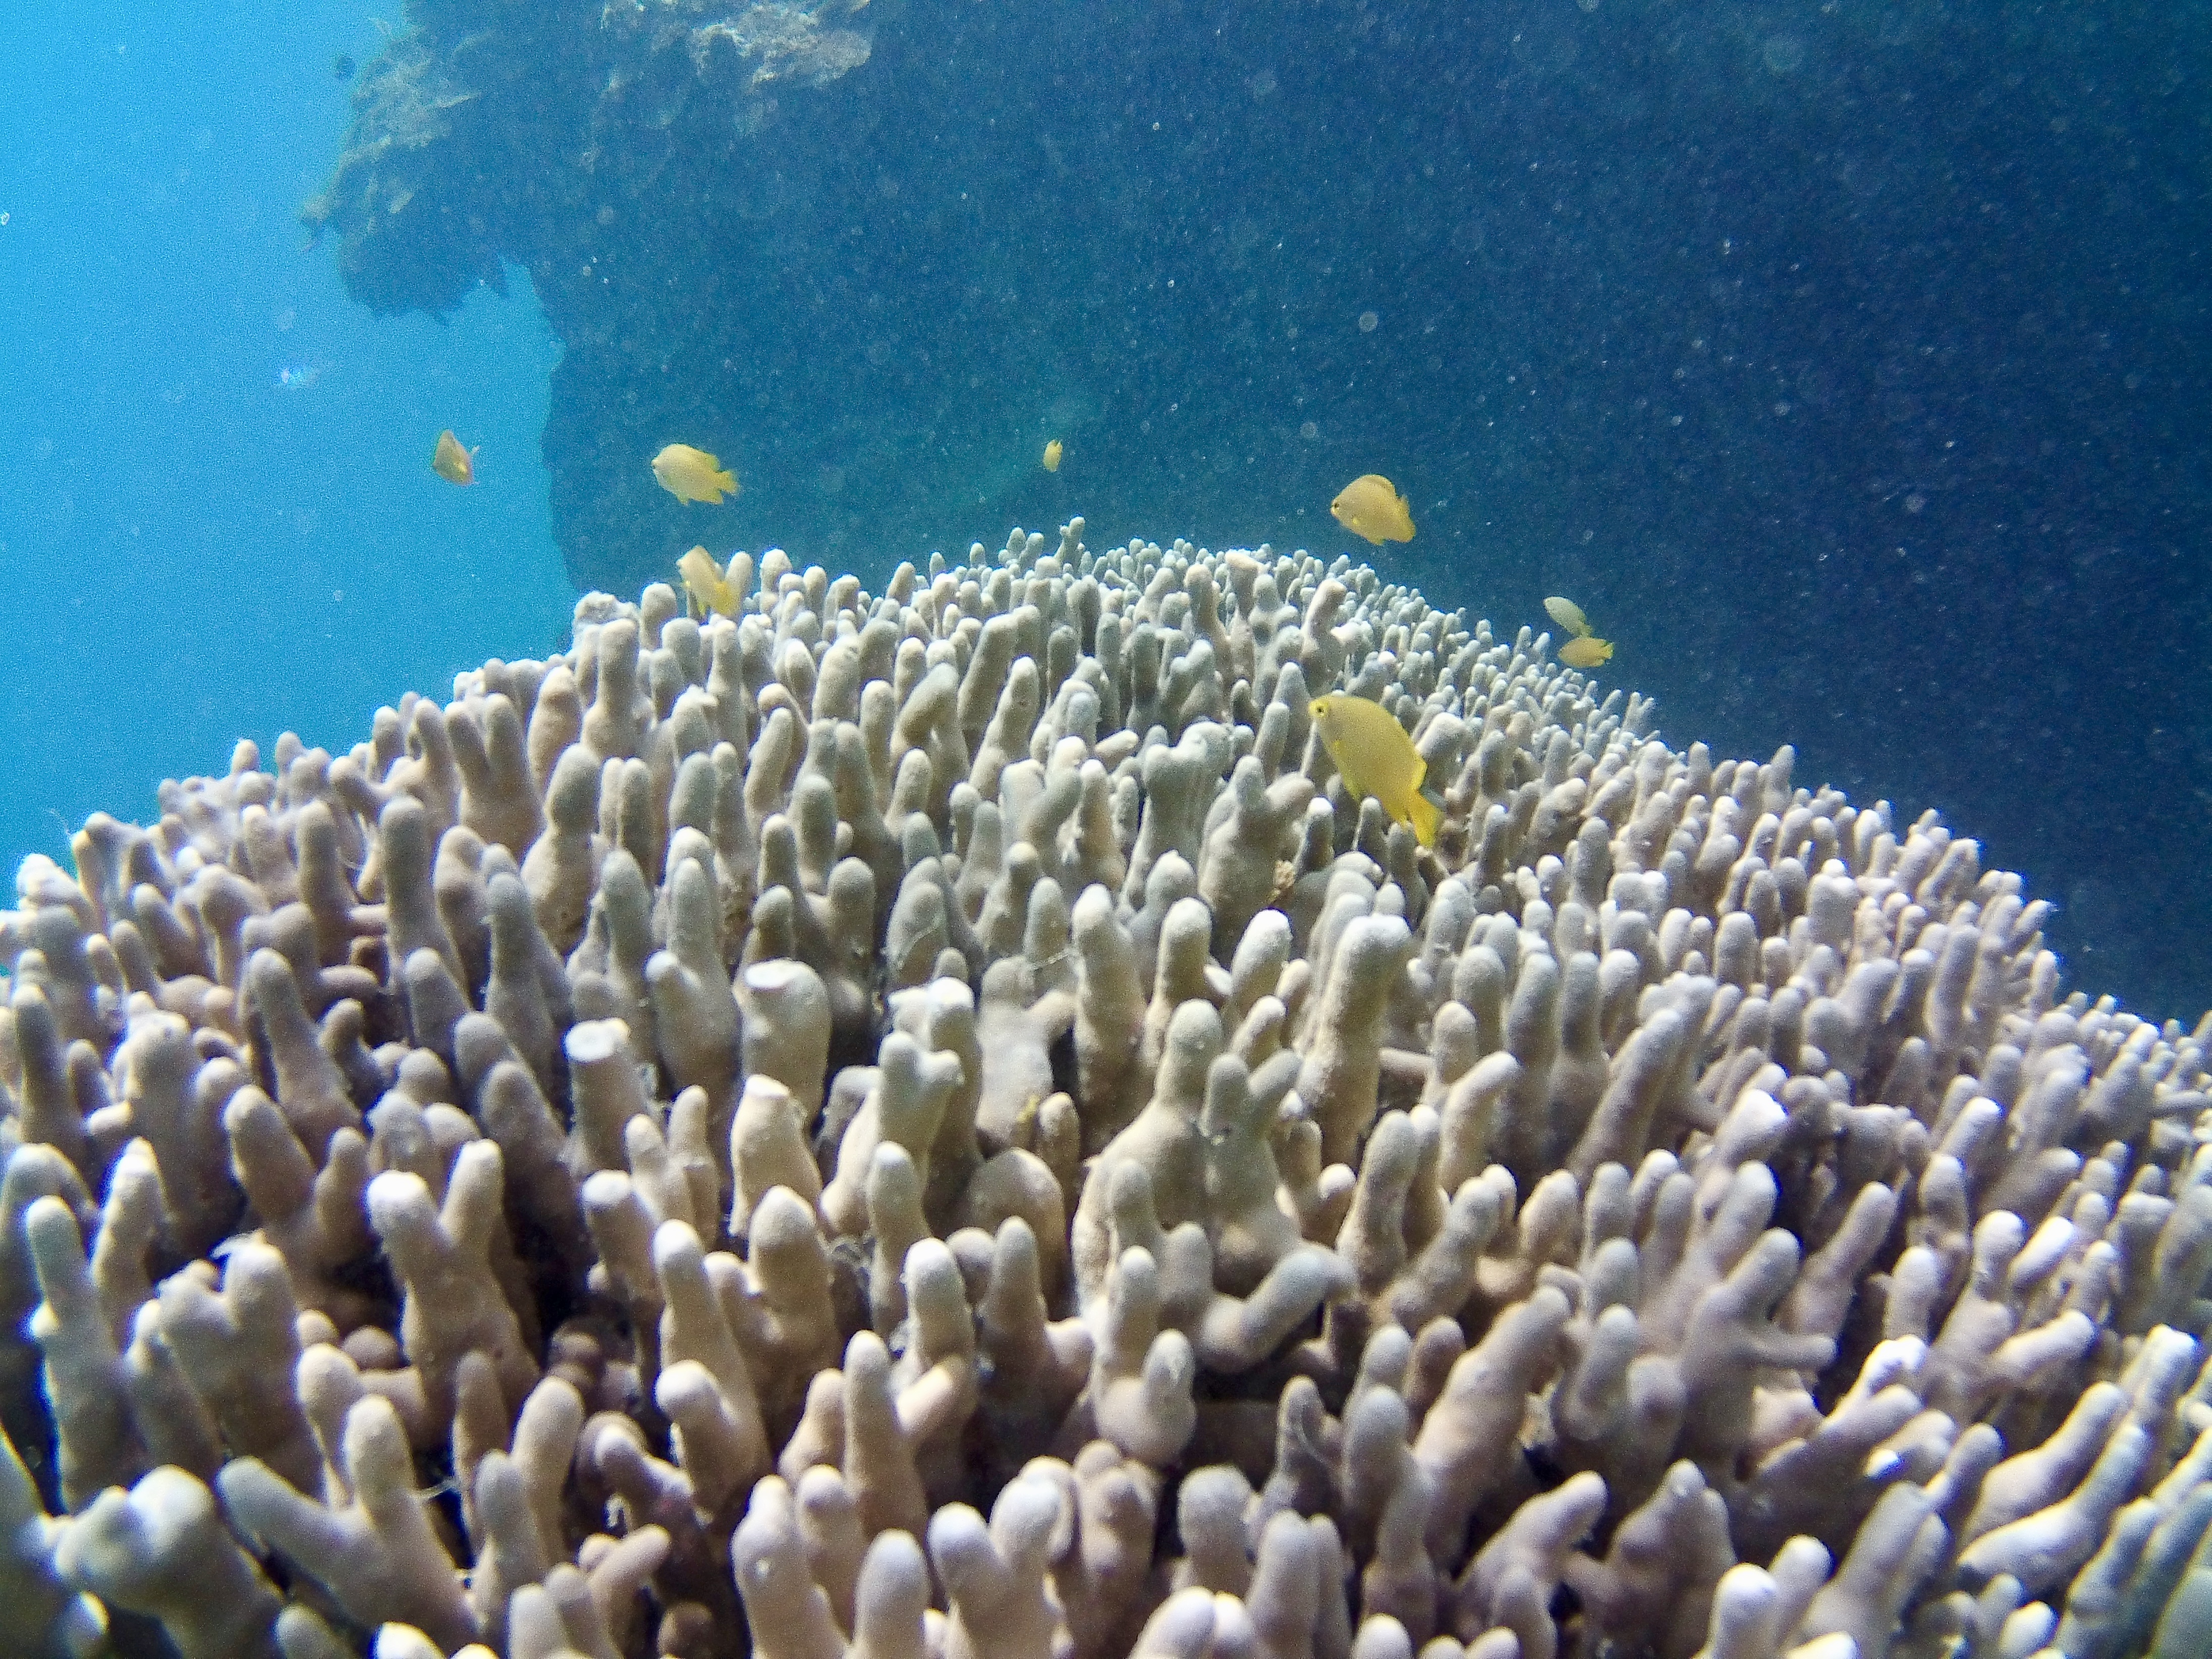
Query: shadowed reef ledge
x,y
686,184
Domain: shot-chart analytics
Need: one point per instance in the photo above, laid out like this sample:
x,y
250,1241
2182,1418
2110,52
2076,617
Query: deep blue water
x,y
1848,363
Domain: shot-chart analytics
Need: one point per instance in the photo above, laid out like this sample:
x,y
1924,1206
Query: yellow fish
x,y
1568,615
453,463
1370,506
1586,650
693,475
1376,758
1052,456
708,587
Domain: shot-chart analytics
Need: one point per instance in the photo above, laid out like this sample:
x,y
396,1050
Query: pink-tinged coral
x,y
933,1125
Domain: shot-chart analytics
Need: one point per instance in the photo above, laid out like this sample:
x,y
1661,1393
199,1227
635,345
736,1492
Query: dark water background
x,y
1847,363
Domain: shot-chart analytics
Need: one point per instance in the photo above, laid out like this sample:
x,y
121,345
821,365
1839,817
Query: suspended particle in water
x,y
1368,322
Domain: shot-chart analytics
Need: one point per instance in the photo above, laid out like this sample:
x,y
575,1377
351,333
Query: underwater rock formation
x,y
930,1124
437,164
613,152
595,146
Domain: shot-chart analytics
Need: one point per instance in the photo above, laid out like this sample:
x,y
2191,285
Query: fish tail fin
x,y
1426,815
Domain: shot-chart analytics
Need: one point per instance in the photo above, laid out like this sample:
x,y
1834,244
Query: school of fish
x,y
1371,751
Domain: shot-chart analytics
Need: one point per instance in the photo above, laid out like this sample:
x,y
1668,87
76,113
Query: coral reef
x,y
930,1124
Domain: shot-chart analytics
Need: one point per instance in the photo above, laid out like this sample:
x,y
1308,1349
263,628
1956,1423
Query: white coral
x,y
1507,1246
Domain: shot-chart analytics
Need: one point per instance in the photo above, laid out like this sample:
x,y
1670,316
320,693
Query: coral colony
x,y
931,1127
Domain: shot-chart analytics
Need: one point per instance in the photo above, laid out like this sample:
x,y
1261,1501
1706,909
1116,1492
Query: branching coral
x,y
932,1126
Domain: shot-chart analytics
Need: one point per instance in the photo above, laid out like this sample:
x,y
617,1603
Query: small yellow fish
x,y
1568,615
453,463
1052,456
1370,506
1586,650
1376,758
709,588
693,475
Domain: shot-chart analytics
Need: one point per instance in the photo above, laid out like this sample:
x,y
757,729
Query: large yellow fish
x,y
1376,758
693,475
1586,650
1052,456
453,463
710,589
1568,615
1370,506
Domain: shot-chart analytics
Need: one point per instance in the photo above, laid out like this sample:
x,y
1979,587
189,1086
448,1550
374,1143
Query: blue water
x,y
194,550
1850,365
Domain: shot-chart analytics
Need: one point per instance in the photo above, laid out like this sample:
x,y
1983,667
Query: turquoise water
x,y
1849,365
194,550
